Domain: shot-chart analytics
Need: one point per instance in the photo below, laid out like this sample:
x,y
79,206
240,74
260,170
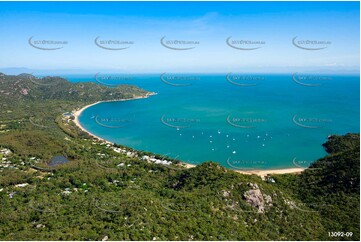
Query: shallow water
x,y
247,121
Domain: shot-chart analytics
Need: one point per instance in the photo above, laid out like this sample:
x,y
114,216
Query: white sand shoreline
x,y
77,113
261,173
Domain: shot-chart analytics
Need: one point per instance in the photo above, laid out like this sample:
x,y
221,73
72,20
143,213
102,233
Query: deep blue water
x,y
246,121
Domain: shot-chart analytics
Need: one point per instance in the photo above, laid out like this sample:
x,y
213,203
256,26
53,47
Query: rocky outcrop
x,y
105,238
256,199
225,193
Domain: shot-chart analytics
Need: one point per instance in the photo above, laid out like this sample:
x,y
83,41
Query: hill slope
x,y
111,191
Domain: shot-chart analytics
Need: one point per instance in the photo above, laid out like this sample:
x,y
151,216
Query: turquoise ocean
x,y
242,121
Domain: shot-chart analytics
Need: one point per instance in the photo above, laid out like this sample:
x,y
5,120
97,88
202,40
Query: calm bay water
x,y
249,121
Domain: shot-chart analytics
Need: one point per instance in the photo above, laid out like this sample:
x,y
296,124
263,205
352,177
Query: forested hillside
x,y
112,192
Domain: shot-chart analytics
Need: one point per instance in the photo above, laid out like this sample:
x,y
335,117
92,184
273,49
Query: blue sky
x,y
209,23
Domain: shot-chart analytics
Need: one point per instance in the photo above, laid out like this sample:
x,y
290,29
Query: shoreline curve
x,y
76,113
261,173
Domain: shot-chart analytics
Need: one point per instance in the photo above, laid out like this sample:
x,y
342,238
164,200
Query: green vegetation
x,y
331,185
111,191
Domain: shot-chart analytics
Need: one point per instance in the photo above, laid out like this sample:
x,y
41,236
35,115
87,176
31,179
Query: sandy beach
x,y
261,173
77,113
